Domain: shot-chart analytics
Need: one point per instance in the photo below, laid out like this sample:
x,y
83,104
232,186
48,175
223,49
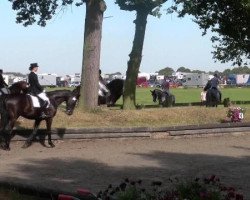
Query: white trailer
x,y
195,79
47,80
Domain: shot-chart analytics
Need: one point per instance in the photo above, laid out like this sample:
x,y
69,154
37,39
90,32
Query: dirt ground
x,y
94,164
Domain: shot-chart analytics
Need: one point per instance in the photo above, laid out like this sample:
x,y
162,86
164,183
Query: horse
x,y
13,106
213,96
115,88
158,94
19,87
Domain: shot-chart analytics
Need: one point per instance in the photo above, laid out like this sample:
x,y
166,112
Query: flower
x,y
236,114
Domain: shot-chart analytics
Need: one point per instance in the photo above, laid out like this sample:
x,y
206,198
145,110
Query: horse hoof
x,y
4,147
51,144
26,145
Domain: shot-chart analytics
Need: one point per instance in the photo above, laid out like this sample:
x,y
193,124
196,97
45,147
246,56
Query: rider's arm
x,y
33,80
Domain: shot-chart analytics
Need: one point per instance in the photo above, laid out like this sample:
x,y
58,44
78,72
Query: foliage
x,y
167,71
151,7
28,12
199,189
183,69
237,70
229,19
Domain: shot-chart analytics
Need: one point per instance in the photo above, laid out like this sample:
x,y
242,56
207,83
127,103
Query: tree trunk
x,y
129,101
91,54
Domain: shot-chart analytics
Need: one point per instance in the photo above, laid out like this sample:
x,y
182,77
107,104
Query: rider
x,y
215,82
165,89
37,90
3,84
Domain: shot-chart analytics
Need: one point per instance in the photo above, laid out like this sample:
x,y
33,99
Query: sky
x,y
57,48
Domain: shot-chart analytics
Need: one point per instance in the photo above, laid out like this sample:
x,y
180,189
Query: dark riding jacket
x,y
35,87
214,82
2,82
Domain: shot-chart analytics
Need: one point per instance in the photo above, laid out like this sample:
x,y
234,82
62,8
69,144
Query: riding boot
x,y
44,112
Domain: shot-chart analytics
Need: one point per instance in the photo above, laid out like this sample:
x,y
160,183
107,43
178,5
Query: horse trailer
x,y
47,80
195,79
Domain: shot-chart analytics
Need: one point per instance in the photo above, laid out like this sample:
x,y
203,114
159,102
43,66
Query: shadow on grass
x,y
69,173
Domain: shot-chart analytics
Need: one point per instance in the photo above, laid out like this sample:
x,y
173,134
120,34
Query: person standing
x,y
215,83
3,84
37,90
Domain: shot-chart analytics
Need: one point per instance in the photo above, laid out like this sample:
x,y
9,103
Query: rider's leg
x,y
45,106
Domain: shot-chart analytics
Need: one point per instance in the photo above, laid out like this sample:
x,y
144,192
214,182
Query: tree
x,y
167,71
29,12
228,19
143,8
183,69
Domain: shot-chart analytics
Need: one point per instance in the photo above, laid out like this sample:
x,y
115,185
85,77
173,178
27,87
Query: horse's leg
x,y
48,124
5,138
8,122
33,134
8,134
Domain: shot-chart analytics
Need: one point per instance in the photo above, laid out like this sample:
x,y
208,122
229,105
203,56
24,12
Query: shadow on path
x,y
70,174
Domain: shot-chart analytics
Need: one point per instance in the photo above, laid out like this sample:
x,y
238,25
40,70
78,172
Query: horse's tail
x,y
3,110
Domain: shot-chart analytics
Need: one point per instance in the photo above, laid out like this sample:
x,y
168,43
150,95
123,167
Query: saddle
x,y
4,91
37,102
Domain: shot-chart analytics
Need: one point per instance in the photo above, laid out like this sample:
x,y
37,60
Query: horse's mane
x,y
57,91
54,93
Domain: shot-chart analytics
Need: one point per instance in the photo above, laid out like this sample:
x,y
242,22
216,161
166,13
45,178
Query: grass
x,y
150,117
188,95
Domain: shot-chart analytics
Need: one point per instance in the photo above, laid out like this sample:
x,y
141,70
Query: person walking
x,y
3,85
37,90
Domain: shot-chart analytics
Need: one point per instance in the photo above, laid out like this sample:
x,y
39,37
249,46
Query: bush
x,y
198,189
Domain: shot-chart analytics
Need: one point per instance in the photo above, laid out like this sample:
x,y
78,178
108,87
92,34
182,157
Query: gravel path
x,y
93,164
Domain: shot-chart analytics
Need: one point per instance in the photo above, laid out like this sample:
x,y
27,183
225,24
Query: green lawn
x,y
143,95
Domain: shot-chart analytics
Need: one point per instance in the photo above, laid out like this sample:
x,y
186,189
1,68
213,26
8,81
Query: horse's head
x,y
154,95
72,100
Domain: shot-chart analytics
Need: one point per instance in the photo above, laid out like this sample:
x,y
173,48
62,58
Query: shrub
x,y
198,189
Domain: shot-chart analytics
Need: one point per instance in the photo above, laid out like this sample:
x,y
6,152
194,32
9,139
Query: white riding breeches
x,y
44,97
103,90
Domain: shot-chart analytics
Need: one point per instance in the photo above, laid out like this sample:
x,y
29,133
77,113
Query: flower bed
x,y
198,189
236,114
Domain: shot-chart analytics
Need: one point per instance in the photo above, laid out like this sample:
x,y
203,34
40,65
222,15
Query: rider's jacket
x,y
2,82
35,87
214,82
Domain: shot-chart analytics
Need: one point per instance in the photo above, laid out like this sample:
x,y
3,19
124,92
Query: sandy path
x,y
93,164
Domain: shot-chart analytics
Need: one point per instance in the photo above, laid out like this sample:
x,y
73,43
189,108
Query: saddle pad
x,y
35,101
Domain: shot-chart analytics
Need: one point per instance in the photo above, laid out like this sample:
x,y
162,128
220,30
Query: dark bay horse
x,y
213,96
20,87
13,106
115,88
158,94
